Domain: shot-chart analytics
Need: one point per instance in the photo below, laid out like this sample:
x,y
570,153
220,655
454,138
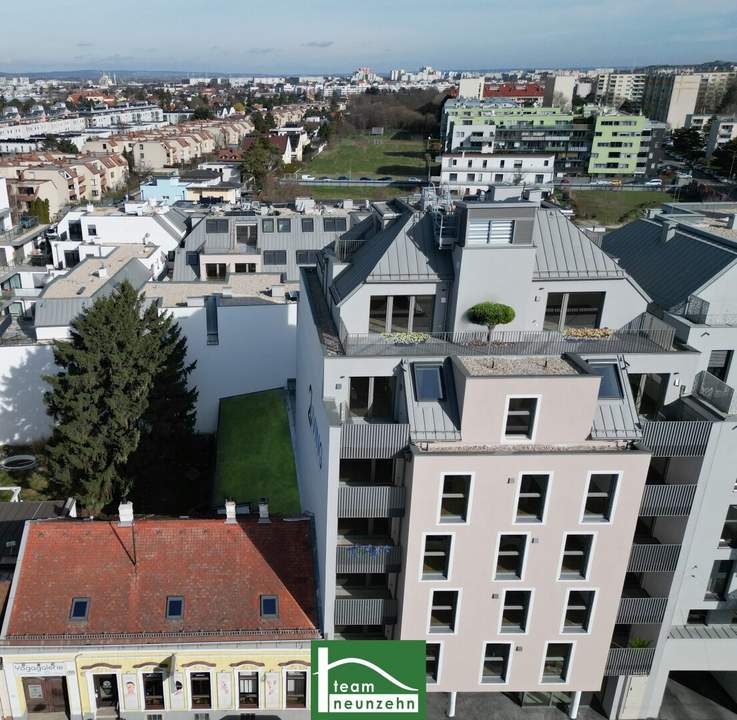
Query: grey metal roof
x,y
404,251
668,271
13,516
432,421
182,271
564,251
176,218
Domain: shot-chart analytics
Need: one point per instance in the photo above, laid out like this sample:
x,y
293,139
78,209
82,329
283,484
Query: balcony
x,y
667,500
676,438
365,611
718,394
373,440
629,661
641,610
364,501
652,556
368,558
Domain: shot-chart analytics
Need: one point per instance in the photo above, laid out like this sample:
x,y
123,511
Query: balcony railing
x,y
373,440
368,558
367,501
676,438
365,611
718,394
703,632
642,610
629,661
653,557
667,500
645,334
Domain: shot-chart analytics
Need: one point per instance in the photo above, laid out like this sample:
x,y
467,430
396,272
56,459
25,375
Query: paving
x,y
697,701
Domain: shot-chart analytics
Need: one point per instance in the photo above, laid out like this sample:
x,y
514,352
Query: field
x,y
615,207
393,154
354,192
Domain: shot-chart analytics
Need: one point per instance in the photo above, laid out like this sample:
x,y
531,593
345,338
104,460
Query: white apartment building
x,y
670,97
722,129
128,114
615,88
473,173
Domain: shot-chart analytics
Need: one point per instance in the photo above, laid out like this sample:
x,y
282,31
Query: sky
x,y
323,36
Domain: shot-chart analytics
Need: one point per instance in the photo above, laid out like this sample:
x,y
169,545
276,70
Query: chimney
x,y
230,512
668,232
263,510
125,513
102,271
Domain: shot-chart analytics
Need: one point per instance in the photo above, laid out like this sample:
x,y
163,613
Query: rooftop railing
x,y
712,390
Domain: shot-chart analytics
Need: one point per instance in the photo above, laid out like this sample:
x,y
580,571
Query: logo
x,y
369,678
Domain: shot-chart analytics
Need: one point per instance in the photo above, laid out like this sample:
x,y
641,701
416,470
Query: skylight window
x,y
79,609
611,386
429,383
174,606
269,606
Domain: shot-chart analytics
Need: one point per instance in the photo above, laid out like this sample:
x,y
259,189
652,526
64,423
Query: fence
x,y
717,393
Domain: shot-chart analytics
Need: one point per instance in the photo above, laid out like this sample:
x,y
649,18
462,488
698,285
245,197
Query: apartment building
x,y
116,618
712,89
626,145
615,88
670,97
722,129
525,502
137,113
6,221
473,173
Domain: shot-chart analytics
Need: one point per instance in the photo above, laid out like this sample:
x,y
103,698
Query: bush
x,y
491,314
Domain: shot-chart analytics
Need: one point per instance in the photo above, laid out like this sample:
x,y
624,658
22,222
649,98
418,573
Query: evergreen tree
x,y
100,394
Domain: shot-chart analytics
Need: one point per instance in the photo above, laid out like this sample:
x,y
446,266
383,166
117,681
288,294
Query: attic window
x,y
269,606
174,606
79,609
428,383
610,387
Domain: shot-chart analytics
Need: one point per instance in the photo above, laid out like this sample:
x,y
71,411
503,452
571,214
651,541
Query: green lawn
x,y
615,207
354,192
254,452
365,156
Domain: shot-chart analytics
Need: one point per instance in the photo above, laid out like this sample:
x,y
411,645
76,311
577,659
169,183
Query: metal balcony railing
x,y
368,558
653,557
366,501
676,438
667,500
703,632
365,611
629,661
712,390
642,610
373,440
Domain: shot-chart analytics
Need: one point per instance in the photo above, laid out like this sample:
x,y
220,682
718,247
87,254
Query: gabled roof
x,y
669,271
127,573
404,251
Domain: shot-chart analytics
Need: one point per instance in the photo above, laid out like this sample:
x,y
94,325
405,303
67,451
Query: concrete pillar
x,y
452,704
575,702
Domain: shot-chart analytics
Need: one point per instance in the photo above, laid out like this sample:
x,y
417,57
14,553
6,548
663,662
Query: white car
x,y
655,182
601,182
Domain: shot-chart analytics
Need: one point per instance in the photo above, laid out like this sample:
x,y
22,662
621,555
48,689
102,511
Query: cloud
x,y
85,44
262,51
318,44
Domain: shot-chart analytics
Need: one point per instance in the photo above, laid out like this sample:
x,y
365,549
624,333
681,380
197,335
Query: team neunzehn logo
x,y
371,678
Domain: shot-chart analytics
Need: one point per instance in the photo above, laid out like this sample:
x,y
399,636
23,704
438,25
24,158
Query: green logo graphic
x,y
369,678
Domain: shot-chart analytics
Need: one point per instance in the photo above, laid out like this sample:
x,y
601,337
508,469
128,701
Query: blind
x,y
486,232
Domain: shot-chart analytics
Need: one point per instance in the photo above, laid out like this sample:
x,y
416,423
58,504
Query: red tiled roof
x,y
127,573
278,141
514,90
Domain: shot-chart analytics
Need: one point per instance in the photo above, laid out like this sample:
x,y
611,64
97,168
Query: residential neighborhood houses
x,y
434,355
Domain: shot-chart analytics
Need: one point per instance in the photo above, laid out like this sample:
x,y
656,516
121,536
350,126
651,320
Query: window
x,y
296,689
501,163
306,257
436,557
308,225
470,177
153,691
192,259
432,662
245,267
80,608
531,502
729,530
454,501
283,225
576,553
428,382
539,179
211,320
557,660
275,257
92,230
600,497
377,313
719,580
401,313
372,396
453,177
200,687
334,224
719,363
578,310
515,611
578,611
174,606
510,558
610,387
248,690
216,226
267,226
498,177
489,232
520,421
496,663
269,606
215,271
443,611
246,234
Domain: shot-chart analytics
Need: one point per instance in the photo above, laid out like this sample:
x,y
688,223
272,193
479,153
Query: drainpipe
x,y
452,704
573,710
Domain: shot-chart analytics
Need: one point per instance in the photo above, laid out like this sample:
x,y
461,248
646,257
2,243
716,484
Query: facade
x,y
626,145
6,220
166,190
132,630
712,90
722,129
670,97
128,114
615,88
559,90
473,173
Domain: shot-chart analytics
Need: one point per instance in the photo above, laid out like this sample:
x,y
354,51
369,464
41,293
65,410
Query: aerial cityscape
x,y
368,362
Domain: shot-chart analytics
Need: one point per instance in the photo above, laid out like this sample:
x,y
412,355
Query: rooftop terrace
x,y
517,366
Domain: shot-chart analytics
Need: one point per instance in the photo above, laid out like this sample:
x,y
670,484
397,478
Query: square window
x,y
511,557
515,611
520,421
532,498
174,607
578,611
600,497
432,662
275,257
269,606
80,608
496,663
610,387
308,225
283,225
428,383
576,556
267,226
443,611
557,661
436,557
454,501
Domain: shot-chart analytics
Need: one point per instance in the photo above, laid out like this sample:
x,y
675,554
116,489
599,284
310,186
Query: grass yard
x,y
254,452
354,192
365,156
615,207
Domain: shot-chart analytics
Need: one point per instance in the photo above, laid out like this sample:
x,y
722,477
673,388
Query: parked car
x,y
366,178
565,181
343,177
414,179
386,178
600,182
307,177
654,182
323,177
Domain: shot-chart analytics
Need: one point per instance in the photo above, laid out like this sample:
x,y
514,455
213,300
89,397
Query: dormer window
x,y
80,608
174,607
428,383
610,387
269,606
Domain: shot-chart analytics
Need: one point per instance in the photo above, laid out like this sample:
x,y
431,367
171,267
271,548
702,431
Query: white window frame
x,y
506,439
558,683
118,682
451,552
546,504
469,503
582,520
589,564
495,559
528,622
482,683
441,655
213,690
459,592
248,668
579,633
142,690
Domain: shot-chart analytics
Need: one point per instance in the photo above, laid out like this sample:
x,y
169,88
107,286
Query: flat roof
x,y
517,366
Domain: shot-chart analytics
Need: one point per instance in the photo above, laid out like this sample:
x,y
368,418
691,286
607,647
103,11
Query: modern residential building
x,y
722,129
626,145
473,173
482,493
136,113
670,97
117,617
6,220
712,90
559,90
613,89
